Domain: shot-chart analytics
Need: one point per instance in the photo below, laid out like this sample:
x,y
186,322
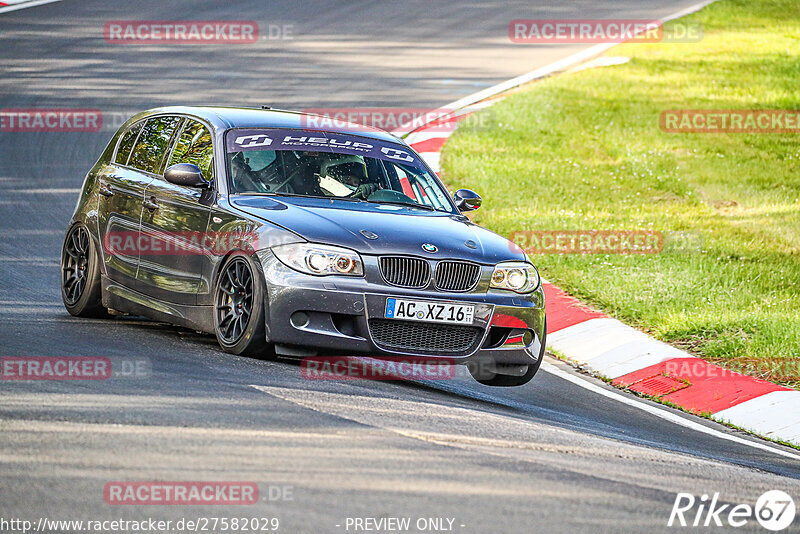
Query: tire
x,y
497,380
488,378
239,308
81,290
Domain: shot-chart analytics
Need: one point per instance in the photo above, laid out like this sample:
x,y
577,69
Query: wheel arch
x,y
260,269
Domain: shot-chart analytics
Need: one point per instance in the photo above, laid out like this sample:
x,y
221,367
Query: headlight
x,y
320,260
515,276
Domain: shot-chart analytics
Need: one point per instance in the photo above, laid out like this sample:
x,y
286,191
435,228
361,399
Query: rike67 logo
x,y
774,510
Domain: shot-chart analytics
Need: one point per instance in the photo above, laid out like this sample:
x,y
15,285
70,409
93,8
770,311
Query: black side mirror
x,y
467,200
187,175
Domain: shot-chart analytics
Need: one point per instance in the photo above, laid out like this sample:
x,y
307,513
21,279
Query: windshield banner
x,y
317,141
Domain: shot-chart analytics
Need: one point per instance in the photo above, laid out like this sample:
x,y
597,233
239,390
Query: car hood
x,y
399,229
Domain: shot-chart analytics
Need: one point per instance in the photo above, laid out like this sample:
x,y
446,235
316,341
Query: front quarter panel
x,y
233,230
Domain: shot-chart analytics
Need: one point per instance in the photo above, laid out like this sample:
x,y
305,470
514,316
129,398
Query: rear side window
x,y
194,146
125,146
153,142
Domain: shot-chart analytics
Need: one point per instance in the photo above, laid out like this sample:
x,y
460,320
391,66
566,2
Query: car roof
x,y
222,118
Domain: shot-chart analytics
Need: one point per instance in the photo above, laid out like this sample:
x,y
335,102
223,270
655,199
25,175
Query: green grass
x,y
584,150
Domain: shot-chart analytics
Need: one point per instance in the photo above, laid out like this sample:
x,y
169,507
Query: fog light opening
x,y
299,319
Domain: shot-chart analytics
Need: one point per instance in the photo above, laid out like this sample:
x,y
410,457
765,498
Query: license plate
x,y
431,312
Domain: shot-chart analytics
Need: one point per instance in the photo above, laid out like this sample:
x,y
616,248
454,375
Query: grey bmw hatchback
x,y
283,239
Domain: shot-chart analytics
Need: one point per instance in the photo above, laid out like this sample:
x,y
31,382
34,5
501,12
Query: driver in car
x,y
354,175
242,174
305,174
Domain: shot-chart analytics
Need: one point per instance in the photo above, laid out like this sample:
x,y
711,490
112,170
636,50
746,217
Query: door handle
x,y
106,191
150,204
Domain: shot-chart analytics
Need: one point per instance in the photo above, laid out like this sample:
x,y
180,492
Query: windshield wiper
x,y
285,194
401,203
349,199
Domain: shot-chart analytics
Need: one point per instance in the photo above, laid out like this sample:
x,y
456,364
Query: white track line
x,y
54,191
661,413
29,303
23,231
616,360
17,6
36,259
541,72
776,414
547,70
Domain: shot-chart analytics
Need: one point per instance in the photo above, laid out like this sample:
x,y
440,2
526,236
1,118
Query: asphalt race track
x,y
549,456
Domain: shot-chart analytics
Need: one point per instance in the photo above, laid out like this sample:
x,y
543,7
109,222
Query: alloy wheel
x,y
234,300
75,264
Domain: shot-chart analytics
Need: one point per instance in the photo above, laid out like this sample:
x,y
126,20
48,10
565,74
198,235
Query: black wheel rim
x,y
75,264
234,300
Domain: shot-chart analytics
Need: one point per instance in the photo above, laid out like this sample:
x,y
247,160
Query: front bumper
x,y
344,315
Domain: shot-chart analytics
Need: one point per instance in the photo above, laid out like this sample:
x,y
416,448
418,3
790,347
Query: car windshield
x,y
324,164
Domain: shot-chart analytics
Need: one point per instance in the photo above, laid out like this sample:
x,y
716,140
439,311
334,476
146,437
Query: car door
x,y
119,210
174,223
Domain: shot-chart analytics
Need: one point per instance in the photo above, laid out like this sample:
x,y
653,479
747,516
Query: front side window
x,y
194,146
126,144
152,144
324,164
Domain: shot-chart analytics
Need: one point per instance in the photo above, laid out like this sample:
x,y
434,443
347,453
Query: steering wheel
x,y
364,191
244,176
